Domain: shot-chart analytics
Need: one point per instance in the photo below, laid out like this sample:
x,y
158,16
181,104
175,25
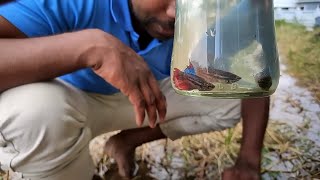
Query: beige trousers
x,y
45,128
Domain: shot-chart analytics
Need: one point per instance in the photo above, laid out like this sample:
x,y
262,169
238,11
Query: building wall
x,y
307,13
285,3
304,13
285,13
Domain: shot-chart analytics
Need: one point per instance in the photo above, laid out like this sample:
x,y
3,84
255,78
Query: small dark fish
x,y
184,81
264,80
200,83
213,75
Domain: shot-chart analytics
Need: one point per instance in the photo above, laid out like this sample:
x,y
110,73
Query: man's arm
x,y
24,61
255,114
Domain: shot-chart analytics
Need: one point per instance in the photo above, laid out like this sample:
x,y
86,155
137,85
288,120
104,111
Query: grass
x,y
300,50
4,175
286,153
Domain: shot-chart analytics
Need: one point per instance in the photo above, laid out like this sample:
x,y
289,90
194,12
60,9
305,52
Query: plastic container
x,y
225,48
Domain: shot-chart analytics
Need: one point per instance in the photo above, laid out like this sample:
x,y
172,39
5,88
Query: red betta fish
x,y
187,82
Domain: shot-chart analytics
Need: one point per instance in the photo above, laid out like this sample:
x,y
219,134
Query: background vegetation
x,y
300,50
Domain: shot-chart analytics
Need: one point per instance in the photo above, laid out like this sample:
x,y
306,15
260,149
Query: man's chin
x,y
162,37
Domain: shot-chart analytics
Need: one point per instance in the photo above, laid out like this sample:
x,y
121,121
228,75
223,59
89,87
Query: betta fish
x,y
190,69
187,82
213,75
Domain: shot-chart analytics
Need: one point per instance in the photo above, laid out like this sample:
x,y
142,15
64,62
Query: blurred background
x,y
292,142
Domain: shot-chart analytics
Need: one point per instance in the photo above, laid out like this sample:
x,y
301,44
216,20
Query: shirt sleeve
x,y
47,17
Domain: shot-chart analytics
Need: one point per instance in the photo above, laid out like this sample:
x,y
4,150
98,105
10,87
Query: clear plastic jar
x,y
225,48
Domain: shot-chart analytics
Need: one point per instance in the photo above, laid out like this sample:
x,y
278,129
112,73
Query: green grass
x,y
300,49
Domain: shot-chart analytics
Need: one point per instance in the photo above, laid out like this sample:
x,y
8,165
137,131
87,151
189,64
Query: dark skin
x,y
5,1
107,56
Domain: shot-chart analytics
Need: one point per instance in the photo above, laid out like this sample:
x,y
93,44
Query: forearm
x,y
255,114
25,61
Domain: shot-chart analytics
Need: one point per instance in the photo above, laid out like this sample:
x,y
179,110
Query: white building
x,y
285,10
306,12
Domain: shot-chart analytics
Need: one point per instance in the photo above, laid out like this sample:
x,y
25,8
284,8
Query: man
x,y
107,54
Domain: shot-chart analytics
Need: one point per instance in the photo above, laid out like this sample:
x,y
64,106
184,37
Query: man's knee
x,y
45,99
42,105
200,116
42,121
227,113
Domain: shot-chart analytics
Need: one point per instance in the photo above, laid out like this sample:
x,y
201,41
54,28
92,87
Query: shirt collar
x,y
121,13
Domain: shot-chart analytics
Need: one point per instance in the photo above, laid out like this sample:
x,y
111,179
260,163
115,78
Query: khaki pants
x,y
45,128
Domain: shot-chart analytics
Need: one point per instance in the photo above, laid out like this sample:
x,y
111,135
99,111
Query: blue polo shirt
x,y
37,18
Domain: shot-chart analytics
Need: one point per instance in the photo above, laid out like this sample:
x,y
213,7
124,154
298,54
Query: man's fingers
x,y
152,114
243,174
162,107
150,103
160,99
139,104
228,174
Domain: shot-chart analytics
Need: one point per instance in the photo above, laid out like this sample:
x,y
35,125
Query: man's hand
x,y
241,171
126,70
